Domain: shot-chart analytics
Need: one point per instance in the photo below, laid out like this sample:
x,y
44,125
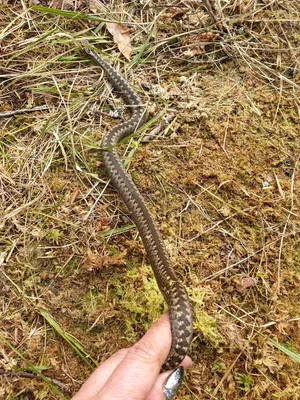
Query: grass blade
x,y
76,346
34,369
294,356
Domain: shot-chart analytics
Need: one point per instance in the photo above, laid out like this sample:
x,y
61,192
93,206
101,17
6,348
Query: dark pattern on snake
x,y
173,292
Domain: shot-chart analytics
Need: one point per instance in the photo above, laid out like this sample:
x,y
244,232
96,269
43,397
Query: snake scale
x,y
173,292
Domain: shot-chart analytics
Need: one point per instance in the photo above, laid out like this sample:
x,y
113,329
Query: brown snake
x,y
173,292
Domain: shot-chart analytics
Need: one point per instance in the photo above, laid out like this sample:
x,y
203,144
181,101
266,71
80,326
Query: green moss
x,y
54,235
218,367
245,382
205,324
140,300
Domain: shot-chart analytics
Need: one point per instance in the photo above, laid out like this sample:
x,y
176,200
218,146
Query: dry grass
x,y
221,177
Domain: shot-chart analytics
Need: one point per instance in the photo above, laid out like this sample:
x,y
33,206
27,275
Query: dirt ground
x,y
217,163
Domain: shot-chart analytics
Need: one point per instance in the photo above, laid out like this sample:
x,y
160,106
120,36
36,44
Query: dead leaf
x,y
174,12
105,221
5,107
96,6
197,43
244,283
97,260
121,37
49,99
102,224
74,195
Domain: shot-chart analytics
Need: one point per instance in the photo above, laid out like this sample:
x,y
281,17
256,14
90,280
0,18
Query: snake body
x,y
173,292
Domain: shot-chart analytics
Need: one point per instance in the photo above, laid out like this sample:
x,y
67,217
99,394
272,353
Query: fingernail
x,y
173,382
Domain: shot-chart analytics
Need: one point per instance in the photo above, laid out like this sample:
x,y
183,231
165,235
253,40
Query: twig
x,y
215,18
284,231
225,376
19,209
221,272
203,62
30,375
7,114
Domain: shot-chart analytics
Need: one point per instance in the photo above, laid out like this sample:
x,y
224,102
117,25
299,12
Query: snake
x,y
174,293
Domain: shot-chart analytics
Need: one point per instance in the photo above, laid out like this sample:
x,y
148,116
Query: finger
x,y
99,377
135,376
157,390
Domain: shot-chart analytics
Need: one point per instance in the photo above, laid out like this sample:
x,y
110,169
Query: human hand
x,y
134,373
